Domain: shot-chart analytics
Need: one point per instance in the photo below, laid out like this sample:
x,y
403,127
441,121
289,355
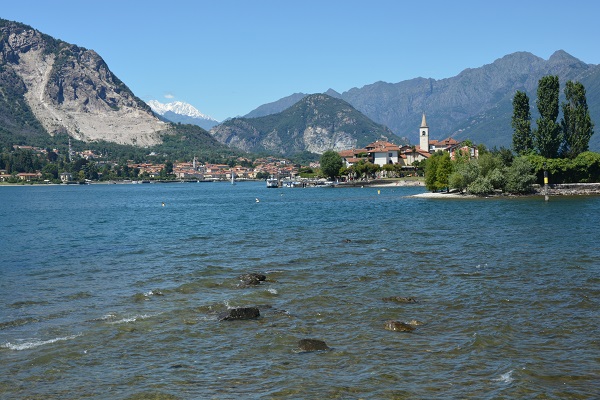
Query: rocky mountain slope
x,y
475,104
315,124
181,112
54,87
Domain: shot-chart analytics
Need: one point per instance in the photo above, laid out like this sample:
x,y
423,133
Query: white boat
x,y
232,178
291,184
272,182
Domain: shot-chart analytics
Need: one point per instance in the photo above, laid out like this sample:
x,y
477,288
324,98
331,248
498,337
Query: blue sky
x,y
227,57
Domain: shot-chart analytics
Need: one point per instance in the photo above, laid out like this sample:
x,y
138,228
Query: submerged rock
x,y
398,299
398,326
240,313
252,279
312,345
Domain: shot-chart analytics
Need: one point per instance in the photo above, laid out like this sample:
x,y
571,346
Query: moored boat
x,y
272,182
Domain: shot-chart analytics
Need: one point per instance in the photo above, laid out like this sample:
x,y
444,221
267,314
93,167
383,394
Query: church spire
x,y
423,122
424,135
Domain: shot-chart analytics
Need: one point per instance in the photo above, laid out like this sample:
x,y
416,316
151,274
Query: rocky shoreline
x,y
570,189
564,189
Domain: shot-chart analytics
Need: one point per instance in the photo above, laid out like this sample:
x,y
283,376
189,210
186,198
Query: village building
x,y
187,170
352,156
88,154
4,176
412,154
382,152
66,177
28,176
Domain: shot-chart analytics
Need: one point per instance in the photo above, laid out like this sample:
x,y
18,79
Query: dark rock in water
x,y
240,313
252,279
398,326
398,299
312,345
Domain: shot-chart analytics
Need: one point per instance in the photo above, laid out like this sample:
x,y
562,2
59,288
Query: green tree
x,y
50,172
505,155
331,162
169,167
489,162
124,170
444,169
390,170
437,171
262,175
481,186
51,155
521,123
464,175
91,171
576,123
431,172
519,176
107,172
547,135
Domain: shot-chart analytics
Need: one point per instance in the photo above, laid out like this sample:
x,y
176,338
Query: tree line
x,y
561,148
551,139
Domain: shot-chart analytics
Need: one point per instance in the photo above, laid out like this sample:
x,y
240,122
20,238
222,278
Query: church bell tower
x,y
424,135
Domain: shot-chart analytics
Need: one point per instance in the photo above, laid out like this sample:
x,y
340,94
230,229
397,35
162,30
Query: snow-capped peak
x,y
177,107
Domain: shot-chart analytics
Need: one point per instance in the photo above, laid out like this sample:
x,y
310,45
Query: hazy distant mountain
x,y
475,104
315,124
277,106
184,113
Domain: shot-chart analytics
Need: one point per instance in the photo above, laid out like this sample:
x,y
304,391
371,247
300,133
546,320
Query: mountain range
x,y
50,88
476,104
180,112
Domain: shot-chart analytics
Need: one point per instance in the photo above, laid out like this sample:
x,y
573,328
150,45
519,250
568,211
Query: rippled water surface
x,y
106,293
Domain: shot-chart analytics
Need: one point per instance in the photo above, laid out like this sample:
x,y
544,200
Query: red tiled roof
x,y
352,152
381,146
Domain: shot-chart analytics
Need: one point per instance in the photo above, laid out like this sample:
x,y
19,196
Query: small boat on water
x,y
291,184
272,182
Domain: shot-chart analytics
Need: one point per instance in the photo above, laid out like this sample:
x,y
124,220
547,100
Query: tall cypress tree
x,y
577,125
547,135
521,123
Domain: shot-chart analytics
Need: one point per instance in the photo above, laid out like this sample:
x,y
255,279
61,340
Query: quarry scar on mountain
x,y
72,90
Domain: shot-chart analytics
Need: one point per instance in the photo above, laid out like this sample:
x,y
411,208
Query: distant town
x,y
193,170
388,159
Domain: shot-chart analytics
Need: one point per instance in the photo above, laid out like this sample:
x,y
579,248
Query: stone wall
x,y
570,189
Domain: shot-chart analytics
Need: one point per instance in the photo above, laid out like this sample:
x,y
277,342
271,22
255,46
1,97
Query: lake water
x,y
106,293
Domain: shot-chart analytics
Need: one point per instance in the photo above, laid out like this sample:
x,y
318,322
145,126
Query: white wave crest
x,y
36,343
131,319
506,378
